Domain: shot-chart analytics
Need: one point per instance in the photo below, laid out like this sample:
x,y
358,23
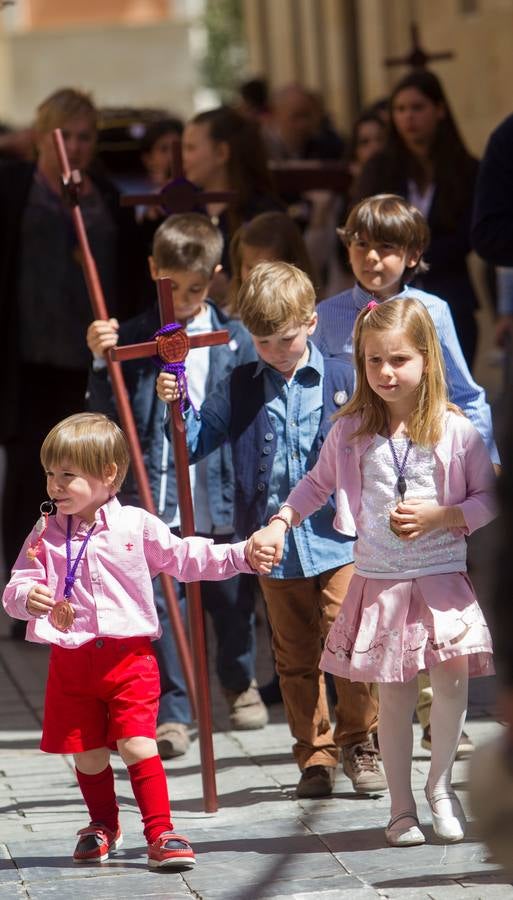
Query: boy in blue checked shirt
x,y
275,413
385,238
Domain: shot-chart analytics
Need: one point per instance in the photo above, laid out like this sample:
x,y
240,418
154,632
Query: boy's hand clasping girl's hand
x,y
415,517
267,543
167,387
261,558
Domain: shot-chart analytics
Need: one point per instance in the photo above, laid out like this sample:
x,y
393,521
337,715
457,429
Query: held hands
x,y
415,517
261,559
39,600
167,387
266,544
102,336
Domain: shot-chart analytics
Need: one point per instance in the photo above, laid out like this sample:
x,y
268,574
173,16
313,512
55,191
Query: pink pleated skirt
x,y
390,630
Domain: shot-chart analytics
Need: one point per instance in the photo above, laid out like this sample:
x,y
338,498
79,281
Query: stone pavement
x,y
262,843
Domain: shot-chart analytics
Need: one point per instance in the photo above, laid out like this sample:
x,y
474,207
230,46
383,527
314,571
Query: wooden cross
x,y
178,195
295,176
173,348
289,177
72,181
417,58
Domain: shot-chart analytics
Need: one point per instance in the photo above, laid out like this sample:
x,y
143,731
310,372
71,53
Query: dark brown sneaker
x,y
316,781
360,763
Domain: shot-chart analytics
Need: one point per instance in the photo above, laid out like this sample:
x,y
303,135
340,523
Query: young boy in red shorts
x,y
84,585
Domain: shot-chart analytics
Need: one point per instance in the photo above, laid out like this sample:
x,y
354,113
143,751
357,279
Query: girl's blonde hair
x,y
276,233
425,425
89,441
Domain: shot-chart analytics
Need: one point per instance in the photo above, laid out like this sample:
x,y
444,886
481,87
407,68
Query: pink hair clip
x,y
371,304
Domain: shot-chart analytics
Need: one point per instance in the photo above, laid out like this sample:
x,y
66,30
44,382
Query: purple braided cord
x,y
176,368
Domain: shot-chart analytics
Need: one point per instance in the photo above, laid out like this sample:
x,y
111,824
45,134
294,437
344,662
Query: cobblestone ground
x,y
262,843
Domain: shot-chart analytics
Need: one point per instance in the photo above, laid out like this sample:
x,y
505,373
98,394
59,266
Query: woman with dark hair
x,y
368,137
426,161
224,151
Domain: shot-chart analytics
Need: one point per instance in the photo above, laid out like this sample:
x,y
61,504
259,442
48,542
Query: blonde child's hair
x,y
389,219
275,233
425,425
62,105
89,441
274,296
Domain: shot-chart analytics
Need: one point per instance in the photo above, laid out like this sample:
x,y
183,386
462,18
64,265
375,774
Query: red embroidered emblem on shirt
x,y
129,546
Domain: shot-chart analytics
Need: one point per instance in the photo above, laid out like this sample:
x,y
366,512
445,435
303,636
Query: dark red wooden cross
x,y
174,348
417,58
178,195
71,183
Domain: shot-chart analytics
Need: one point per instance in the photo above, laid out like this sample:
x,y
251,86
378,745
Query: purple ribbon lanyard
x,y
69,581
401,481
174,368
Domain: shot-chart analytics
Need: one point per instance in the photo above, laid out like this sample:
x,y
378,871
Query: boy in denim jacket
x,y
276,413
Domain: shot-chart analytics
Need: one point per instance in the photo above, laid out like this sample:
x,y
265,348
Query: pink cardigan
x,y
466,475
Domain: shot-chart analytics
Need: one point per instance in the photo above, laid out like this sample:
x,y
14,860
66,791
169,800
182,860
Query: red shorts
x,y
100,692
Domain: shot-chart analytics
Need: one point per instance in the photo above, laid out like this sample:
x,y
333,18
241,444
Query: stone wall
x,y
143,65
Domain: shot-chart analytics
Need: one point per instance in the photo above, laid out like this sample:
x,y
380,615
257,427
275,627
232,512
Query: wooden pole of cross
x,y
72,181
173,348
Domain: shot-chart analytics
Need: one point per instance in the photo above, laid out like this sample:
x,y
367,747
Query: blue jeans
x,y
231,604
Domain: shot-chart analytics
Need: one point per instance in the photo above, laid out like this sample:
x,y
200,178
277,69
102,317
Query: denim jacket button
x,y
266,451
262,467
268,436
260,486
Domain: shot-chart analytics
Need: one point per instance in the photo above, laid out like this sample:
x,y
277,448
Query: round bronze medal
x,y
62,615
174,347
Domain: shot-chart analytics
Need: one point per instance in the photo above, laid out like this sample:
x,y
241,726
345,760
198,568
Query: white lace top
x,y
379,553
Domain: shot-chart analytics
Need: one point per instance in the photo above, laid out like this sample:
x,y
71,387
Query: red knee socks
x,y
149,785
98,793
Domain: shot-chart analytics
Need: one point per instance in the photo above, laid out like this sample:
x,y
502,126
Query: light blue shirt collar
x,y
361,297
315,362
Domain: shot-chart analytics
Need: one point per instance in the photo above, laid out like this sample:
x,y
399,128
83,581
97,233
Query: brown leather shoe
x,y
172,739
316,781
247,710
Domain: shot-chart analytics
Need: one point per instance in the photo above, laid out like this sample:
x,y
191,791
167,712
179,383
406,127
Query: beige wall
x,y
314,41
478,80
306,41
147,65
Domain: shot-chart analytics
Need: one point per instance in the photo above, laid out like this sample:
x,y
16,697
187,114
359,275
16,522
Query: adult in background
x,y
44,307
426,161
224,151
492,225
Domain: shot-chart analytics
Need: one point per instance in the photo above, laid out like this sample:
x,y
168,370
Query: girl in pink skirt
x,y
411,477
